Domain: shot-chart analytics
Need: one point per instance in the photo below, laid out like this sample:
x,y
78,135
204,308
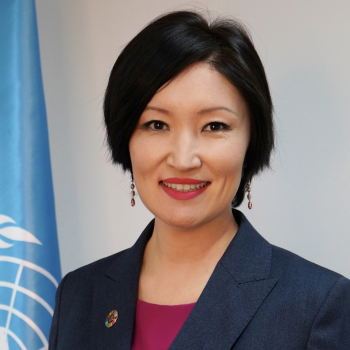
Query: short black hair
x,y
163,49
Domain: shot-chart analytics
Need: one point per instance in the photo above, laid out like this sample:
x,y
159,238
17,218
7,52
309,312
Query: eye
x,y
216,126
156,125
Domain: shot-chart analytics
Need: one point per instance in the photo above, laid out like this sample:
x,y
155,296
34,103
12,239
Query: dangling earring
x,y
132,186
249,196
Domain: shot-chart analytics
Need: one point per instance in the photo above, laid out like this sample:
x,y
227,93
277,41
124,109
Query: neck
x,y
172,246
178,262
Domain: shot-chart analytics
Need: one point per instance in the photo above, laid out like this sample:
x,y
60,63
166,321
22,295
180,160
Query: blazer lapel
x,y
233,294
117,289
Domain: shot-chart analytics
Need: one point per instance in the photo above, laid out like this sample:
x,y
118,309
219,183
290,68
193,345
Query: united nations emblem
x,y
25,311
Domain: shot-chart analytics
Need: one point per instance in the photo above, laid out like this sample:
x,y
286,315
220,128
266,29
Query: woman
x,y
188,112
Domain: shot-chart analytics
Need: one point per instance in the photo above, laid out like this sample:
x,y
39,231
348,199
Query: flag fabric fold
x,y
29,258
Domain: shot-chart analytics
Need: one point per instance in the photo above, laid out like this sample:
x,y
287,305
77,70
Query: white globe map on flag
x,y
12,235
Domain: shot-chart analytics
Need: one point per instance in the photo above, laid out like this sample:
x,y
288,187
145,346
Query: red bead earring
x,y
132,192
249,196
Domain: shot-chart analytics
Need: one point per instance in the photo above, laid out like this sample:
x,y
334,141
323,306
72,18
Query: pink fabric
x,y
156,326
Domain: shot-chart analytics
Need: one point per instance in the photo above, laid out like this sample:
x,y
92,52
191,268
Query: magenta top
x,y
156,326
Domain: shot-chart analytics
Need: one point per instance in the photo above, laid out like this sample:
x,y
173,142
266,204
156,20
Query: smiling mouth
x,y
185,187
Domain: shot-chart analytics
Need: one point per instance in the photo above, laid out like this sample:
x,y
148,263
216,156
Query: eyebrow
x,y
161,110
203,111
207,110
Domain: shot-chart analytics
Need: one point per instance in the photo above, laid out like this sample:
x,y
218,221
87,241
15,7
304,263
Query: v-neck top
x,y
156,326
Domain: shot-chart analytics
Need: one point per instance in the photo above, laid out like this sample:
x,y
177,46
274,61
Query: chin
x,y
183,223
183,218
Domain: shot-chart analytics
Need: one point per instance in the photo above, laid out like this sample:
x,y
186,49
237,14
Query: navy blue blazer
x,y
259,297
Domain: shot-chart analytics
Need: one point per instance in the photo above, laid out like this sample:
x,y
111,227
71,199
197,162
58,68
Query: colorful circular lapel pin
x,y
111,318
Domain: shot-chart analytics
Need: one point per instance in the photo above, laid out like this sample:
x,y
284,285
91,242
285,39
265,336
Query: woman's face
x,y
194,132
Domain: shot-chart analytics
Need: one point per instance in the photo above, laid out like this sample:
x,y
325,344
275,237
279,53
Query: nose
x,y
184,152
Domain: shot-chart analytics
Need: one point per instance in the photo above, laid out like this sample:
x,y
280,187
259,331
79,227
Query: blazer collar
x,y
117,289
239,284
248,256
236,289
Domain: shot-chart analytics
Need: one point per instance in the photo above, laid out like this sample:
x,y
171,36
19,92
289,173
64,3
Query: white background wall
x,y
302,205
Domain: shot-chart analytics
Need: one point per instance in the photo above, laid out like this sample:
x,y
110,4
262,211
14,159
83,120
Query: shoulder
x,y
115,265
73,304
89,272
306,282
322,296
78,284
288,265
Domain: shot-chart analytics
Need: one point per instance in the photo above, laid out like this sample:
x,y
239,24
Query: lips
x,y
184,188
182,180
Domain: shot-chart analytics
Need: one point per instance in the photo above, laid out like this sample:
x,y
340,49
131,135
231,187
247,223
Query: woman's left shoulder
x,y
300,274
319,296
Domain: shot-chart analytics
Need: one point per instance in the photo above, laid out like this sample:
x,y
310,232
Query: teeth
x,y
184,187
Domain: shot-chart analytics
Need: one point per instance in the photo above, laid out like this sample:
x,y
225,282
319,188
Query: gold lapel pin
x,y
111,318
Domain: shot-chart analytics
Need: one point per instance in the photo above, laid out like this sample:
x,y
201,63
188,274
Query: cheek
x,y
228,175
144,156
227,160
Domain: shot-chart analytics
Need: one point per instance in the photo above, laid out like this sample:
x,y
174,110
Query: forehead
x,y
198,86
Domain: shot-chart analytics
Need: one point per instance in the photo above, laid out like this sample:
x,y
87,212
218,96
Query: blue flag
x,y
29,258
